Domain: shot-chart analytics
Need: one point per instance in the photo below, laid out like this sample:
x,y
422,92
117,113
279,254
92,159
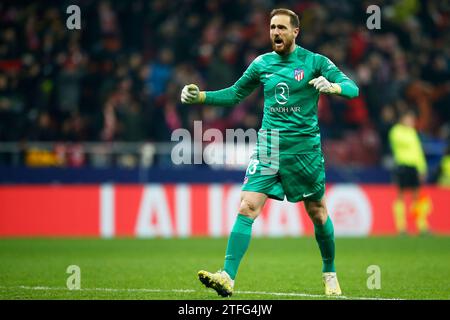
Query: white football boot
x,y
219,281
331,284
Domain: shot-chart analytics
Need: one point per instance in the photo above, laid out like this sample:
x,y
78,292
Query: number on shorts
x,y
251,169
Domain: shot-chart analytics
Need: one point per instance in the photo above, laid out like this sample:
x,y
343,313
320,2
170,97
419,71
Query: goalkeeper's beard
x,y
287,44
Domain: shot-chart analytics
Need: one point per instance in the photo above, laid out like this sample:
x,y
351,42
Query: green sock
x,y
325,239
237,244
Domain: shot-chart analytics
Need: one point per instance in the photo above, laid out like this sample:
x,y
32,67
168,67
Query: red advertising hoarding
x,y
184,210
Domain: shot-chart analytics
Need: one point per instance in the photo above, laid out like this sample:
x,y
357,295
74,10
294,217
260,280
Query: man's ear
x,y
296,32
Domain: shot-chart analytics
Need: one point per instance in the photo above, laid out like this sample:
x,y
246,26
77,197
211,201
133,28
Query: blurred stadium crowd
x,y
120,76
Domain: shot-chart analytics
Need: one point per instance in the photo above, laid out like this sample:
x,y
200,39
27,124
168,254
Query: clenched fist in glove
x,y
324,86
191,94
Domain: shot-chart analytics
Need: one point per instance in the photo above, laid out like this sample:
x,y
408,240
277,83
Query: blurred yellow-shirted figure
x,y
444,170
410,173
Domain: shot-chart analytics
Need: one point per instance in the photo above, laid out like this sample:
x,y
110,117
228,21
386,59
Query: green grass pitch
x,y
274,268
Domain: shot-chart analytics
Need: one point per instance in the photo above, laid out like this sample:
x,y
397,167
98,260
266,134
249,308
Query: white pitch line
x,y
97,289
279,294
307,295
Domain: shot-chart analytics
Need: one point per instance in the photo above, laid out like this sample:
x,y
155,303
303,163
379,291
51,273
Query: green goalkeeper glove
x,y
324,86
191,94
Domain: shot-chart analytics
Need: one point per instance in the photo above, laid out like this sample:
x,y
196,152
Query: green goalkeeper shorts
x,y
297,177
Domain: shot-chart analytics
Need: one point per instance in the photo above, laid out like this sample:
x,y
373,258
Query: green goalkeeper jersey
x,y
290,103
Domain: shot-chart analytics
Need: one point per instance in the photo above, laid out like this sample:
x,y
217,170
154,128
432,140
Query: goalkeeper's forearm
x,y
348,89
224,97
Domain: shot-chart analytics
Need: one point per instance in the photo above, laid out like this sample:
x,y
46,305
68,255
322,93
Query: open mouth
x,y
278,41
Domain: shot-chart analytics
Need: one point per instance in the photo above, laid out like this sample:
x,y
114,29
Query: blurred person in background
x,y
46,68
444,169
410,173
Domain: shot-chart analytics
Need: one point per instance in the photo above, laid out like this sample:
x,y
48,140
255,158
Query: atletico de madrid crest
x,y
299,74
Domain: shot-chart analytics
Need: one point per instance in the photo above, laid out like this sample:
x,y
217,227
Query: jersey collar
x,y
288,56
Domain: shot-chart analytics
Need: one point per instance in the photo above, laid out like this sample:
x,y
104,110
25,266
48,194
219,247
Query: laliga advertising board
x,y
184,210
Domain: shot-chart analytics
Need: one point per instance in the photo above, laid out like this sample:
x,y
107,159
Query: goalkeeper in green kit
x,y
293,79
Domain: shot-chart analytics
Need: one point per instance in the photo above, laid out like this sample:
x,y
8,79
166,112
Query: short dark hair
x,y
295,21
